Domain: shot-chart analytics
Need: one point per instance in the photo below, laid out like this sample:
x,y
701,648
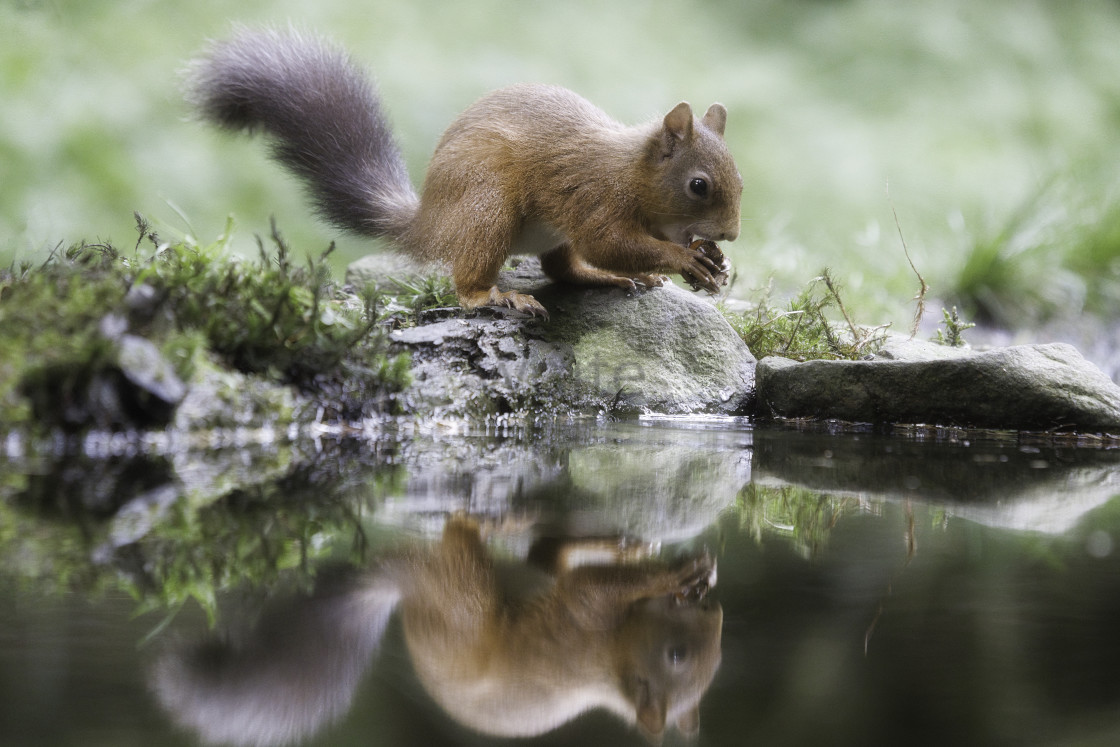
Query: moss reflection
x,y
171,534
805,517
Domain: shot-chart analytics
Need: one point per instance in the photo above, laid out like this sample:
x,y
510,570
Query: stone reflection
x,y
1000,480
517,651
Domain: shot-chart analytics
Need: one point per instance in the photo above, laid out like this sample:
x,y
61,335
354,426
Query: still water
x,y
726,583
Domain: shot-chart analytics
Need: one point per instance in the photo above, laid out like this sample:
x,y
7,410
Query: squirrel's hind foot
x,y
522,302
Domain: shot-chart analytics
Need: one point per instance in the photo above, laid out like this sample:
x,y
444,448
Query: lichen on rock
x,y
660,349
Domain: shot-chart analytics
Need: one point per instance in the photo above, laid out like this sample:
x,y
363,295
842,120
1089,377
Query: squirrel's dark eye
x,y
698,187
677,654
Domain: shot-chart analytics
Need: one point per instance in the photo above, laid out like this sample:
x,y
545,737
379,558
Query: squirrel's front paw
x,y
697,578
638,281
707,267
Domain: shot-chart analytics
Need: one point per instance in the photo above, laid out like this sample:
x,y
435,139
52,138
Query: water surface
x,y
874,589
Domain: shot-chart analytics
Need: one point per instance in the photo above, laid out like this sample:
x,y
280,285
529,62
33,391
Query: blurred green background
x,y
990,126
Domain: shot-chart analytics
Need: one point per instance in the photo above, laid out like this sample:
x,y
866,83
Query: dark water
x,y
908,589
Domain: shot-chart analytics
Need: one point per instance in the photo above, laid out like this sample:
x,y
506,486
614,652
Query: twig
x,y
920,310
831,285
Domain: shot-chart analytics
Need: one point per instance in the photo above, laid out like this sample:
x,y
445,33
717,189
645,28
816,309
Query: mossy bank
x,y
187,340
184,336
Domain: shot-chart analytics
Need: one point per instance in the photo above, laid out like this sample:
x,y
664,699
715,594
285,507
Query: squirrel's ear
x,y
651,713
678,125
689,722
716,118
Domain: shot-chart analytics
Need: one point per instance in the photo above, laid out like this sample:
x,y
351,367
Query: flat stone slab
x,y
1025,387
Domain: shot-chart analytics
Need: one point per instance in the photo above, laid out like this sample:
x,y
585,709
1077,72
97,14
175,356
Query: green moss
x,y
288,322
802,331
954,329
407,297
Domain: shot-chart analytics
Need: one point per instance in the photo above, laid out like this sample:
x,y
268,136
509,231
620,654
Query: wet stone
x,y
1025,387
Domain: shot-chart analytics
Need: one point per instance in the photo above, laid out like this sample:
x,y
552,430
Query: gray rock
x,y
145,367
137,388
475,366
662,350
904,349
220,402
1022,387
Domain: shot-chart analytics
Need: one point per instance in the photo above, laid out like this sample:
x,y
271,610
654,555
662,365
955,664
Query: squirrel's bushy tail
x,y
284,680
323,117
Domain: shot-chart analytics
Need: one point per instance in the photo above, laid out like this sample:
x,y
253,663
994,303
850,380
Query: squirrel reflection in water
x,y
638,638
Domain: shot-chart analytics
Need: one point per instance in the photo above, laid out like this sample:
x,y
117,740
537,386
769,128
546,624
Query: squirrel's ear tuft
x,y
679,121
716,118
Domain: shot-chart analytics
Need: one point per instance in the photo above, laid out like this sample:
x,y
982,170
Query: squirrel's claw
x,y
705,267
522,302
650,281
712,266
699,275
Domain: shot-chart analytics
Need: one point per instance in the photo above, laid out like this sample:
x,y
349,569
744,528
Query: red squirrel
x,y
528,169
504,650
